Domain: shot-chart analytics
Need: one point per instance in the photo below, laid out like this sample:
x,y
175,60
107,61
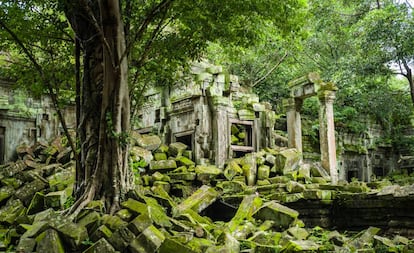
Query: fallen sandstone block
x,y
176,148
283,216
148,241
101,246
198,201
49,241
163,165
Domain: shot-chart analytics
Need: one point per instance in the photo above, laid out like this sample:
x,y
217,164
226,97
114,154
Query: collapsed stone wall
x,y
180,206
211,113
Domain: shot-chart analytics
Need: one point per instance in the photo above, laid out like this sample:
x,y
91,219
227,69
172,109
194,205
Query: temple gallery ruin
x,y
219,119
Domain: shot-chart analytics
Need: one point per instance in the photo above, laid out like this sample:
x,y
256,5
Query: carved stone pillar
x,y
220,129
327,133
294,125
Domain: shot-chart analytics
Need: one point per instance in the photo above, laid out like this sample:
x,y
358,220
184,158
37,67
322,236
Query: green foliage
x,y
40,50
223,31
87,242
69,202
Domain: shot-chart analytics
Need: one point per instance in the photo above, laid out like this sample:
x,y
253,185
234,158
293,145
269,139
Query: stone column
x,y
327,133
220,131
294,124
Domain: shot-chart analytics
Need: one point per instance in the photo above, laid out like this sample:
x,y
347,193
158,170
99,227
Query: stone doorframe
x,y
302,88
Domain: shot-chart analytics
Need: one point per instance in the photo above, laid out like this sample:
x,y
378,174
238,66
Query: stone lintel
x,y
305,86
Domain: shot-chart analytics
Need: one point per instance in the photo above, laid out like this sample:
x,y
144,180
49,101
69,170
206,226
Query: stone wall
x,y
208,110
25,119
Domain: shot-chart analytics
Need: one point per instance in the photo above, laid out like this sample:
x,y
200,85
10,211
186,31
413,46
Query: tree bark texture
x,y
103,172
409,76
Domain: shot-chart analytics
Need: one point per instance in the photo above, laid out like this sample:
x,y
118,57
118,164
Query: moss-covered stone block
x,y
121,238
184,161
291,197
157,213
249,168
229,187
49,242
298,233
13,209
12,182
317,194
158,176
263,172
148,241
318,171
35,229
186,176
318,180
304,171
113,222
282,215
72,234
198,201
176,148
363,238
193,217
279,180
163,165
384,242
200,245
135,206
162,184
159,156
205,173
249,205
356,187
245,114
234,129
140,223
37,204
96,205
48,215
101,246
91,221
301,246
171,245
295,187
141,155
62,179
26,245
232,169
288,160
6,192
398,239
56,199
148,142
101,232
27,191
234,140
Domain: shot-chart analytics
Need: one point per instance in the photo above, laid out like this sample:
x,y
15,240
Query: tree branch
x,y
149,18
272,69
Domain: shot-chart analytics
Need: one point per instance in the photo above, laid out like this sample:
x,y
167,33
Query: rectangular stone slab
x,y
198,201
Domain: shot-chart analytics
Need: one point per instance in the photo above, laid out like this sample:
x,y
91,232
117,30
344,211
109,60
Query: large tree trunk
x,y
409,77
103,171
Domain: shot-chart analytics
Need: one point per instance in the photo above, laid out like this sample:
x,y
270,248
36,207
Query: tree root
x,y
83,201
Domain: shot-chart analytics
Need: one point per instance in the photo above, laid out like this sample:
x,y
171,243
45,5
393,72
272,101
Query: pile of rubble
x,y
177,205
